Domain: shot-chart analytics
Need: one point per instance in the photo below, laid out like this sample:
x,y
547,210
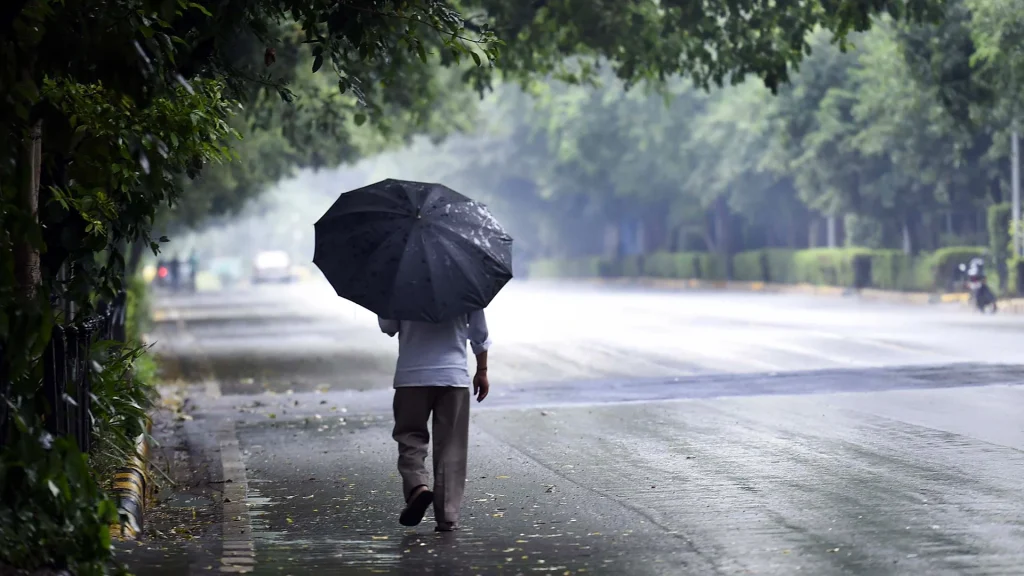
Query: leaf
x,y
359,119
53,488
200,7
476,58
318,61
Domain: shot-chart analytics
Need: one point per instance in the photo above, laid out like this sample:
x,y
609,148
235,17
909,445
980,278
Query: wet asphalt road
x,y
628,432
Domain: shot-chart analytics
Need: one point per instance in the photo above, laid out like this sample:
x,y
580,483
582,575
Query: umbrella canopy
x,y
413,251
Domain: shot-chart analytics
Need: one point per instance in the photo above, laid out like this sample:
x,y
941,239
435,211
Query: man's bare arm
x,y
481,384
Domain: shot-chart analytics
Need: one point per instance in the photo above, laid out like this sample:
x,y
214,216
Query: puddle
x,y
186,500
258,508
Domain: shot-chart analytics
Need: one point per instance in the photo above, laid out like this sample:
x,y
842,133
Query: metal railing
x,y
5,388
67,372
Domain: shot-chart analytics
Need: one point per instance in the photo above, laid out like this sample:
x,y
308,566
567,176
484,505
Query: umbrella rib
x,y
430,267
364,210
480,250
341,236
461,268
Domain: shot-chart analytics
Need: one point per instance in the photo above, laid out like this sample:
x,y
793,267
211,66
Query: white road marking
x,y
238,554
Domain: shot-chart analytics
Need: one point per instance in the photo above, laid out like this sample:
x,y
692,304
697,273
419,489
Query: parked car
x,y
272,266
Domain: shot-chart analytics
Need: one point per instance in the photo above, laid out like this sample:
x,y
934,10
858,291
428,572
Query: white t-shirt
x,y
434,354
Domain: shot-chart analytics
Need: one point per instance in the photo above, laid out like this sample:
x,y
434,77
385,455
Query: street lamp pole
x,y
1015,187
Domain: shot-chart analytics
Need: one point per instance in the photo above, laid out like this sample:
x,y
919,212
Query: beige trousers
x,y
413,405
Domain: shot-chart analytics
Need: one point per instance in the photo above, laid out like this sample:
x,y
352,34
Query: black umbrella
x,y
413,251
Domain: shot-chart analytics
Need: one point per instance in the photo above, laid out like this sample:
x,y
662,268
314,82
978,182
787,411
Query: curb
x,y
1011,305
130,484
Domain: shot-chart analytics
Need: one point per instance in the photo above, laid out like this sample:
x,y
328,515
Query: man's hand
x,y
481,386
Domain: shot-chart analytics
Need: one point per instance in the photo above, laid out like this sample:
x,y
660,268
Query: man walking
x,y
432,379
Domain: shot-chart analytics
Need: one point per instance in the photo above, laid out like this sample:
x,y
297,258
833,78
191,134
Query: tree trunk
x,y
26,255
791,230
134,258
812,232
907,245
710,233
723,234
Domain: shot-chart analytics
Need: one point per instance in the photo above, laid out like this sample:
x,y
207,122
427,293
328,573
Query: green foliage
x,y
1015,277
690,265
115,187
138,317
653,40
54,512
892,270
889,269
780,264
997,31
936,270
121,398
999,221
885,137
826,266
582,268
673,265
751,266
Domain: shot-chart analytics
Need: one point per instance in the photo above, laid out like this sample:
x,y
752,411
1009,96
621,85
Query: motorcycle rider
x,y
981,294
976,268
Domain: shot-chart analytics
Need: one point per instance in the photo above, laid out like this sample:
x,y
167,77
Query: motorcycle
x,y
981,296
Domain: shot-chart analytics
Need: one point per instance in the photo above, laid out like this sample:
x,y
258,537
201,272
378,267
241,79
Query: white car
x,y
272,266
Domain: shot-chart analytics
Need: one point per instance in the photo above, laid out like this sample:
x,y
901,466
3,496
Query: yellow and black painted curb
x,y
130,491
1011,305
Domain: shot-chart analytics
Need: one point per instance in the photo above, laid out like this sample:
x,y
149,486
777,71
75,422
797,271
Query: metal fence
x,y
67,372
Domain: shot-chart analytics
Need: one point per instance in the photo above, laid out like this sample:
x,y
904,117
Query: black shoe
x,y
446,527
416,508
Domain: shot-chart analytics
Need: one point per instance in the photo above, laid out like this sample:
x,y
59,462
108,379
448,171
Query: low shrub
x,y
848,267
664,265
138,310
751,266
780,265
893,270
565,268
1015,277
123,392
827,266
632,266
938,271
55,513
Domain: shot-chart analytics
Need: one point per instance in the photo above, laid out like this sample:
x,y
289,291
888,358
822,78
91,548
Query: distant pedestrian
x,y
175,272
432,377
193,269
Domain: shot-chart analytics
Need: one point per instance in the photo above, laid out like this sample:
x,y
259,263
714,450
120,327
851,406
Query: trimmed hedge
x,y
751,266
999,222
938,270
578,268
822,266
851,267
1015,277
